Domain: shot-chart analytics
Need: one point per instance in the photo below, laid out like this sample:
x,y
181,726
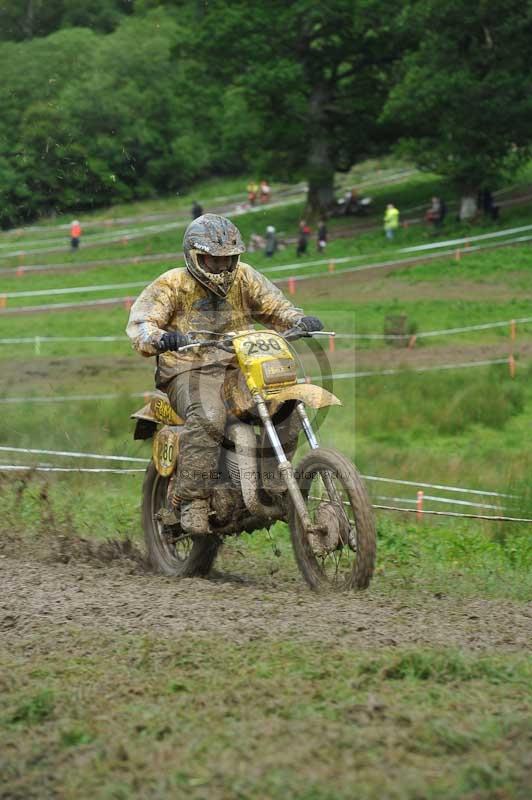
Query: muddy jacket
x,y
176,301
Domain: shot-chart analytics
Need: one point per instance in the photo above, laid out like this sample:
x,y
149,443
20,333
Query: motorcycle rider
x,y
215,292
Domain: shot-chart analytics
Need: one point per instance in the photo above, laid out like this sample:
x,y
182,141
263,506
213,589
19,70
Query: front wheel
x,y
339,550
170,551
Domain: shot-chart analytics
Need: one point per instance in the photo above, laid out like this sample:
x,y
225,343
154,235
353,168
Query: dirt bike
x,y
323,500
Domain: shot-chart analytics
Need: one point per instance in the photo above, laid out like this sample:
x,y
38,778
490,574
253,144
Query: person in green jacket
x,y
391,221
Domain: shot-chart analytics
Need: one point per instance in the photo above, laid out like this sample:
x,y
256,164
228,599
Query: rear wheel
x,y
339,551
170,551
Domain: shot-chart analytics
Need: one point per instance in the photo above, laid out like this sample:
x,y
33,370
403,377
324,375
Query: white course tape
x,y
434,486
442,332
347,375
492,517
104,470
464,240
70,454
55,306
379,336
41,339
105,457
67,398
314,275
103,287
337,376
447,500
38,468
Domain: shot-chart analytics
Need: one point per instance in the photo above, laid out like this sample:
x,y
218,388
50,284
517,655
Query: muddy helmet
x,y
212,235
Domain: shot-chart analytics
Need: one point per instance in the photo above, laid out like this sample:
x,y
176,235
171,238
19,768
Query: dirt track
x,y
42,598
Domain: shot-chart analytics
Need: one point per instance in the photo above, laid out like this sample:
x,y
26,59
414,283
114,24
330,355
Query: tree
x,y
464,97
89,119
25,19
315,77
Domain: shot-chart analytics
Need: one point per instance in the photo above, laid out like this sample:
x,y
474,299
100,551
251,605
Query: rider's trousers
x,y
196,397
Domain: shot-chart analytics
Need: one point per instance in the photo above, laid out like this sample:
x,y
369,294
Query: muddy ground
x,y
43,597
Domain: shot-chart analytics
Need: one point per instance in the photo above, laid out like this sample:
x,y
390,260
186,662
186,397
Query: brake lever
x,y
295,333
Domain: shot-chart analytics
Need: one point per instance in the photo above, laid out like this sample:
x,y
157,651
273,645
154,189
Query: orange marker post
x,y
20,271
331,266
419,504
3,301
332,345
291,285
512,330
412,341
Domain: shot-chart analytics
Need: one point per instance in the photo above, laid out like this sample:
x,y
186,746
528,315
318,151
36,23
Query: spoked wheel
x,y
170,551
339,552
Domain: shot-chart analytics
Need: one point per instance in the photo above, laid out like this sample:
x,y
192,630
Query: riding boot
x,y
195,517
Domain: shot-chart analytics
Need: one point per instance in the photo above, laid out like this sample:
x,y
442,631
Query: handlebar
x,y
225,340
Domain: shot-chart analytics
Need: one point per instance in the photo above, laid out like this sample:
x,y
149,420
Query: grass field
x,y
118,684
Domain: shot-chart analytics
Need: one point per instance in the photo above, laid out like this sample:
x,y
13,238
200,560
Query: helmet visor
x,y
216,265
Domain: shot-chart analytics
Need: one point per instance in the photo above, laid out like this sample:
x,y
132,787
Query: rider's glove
x,y
172,340
310,324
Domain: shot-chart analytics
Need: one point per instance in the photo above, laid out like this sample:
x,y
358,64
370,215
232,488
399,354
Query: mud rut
x,y
41,597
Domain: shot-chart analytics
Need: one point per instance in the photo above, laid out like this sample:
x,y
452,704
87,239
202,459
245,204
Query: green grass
x,y
102,713
350,313
449,556
415,190
201,719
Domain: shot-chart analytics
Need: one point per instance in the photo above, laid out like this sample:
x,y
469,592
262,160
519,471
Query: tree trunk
x,y
320,166
28,21
468,207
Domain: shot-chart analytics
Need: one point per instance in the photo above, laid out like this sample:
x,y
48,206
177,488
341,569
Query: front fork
x,y
285,467
287,471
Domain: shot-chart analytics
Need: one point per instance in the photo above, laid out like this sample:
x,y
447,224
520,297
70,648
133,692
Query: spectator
x,y
322,236
352,201
436,213
75,235
302,242
264,192
271,241
391,221
256,243
197,210
487,204
252,189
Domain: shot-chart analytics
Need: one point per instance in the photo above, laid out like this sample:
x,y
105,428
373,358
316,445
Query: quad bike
x,y
323,499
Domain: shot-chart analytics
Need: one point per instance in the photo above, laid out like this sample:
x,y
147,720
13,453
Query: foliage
x,y
25,19
110,100
464,95
314,76
89,119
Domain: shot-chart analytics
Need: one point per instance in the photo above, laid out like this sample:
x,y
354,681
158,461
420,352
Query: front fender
x,y
312,395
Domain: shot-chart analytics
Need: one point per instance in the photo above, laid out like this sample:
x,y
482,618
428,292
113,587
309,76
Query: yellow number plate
x,y
261,344
165,450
